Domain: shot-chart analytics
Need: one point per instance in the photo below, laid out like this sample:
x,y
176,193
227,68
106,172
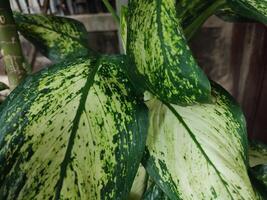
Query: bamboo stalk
x,y
10,46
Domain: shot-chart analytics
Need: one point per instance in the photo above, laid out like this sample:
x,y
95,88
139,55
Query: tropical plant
x,y
144,125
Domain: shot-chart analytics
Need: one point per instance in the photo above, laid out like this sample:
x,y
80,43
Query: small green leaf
x,y
199,151
57,38
252,9
3,86
73,131
162,60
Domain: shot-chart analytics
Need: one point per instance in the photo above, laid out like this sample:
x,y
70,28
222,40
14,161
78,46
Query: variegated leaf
x,y
253,9
73,131
57,38
163,62
199,151
257,153
259,174
258,163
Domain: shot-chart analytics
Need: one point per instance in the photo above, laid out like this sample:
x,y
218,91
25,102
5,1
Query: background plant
x,y
80,128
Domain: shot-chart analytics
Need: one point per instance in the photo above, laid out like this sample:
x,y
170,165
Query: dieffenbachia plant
x,y
83,128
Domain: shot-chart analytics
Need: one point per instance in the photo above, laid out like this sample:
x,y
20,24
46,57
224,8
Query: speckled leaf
x,y
56,37
162,60
254,9
258,164
257,153
199,151
72,132
259,172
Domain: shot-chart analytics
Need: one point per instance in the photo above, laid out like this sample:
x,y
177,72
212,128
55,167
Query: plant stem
x,y
191,29
10,46
112,11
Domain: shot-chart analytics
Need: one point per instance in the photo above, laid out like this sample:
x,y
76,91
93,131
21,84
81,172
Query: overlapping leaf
x,y
258,163
73,131
199,152
257,153
253,9
163,61
57,38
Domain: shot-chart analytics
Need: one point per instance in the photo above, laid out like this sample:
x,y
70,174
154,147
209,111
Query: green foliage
x,y
65,118
162,60
57,38
253,9
206,138
79,129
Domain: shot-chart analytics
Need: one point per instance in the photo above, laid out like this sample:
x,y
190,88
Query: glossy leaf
x,y
73,131
163,63
57,38
253,9
199,151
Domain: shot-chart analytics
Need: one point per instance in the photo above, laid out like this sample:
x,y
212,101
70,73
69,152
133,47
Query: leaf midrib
x,y
191,134
76,121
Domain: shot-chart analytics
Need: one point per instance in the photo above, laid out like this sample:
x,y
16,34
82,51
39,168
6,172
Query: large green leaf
x,y
199,151
253,9
163,62
75,131
57,38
